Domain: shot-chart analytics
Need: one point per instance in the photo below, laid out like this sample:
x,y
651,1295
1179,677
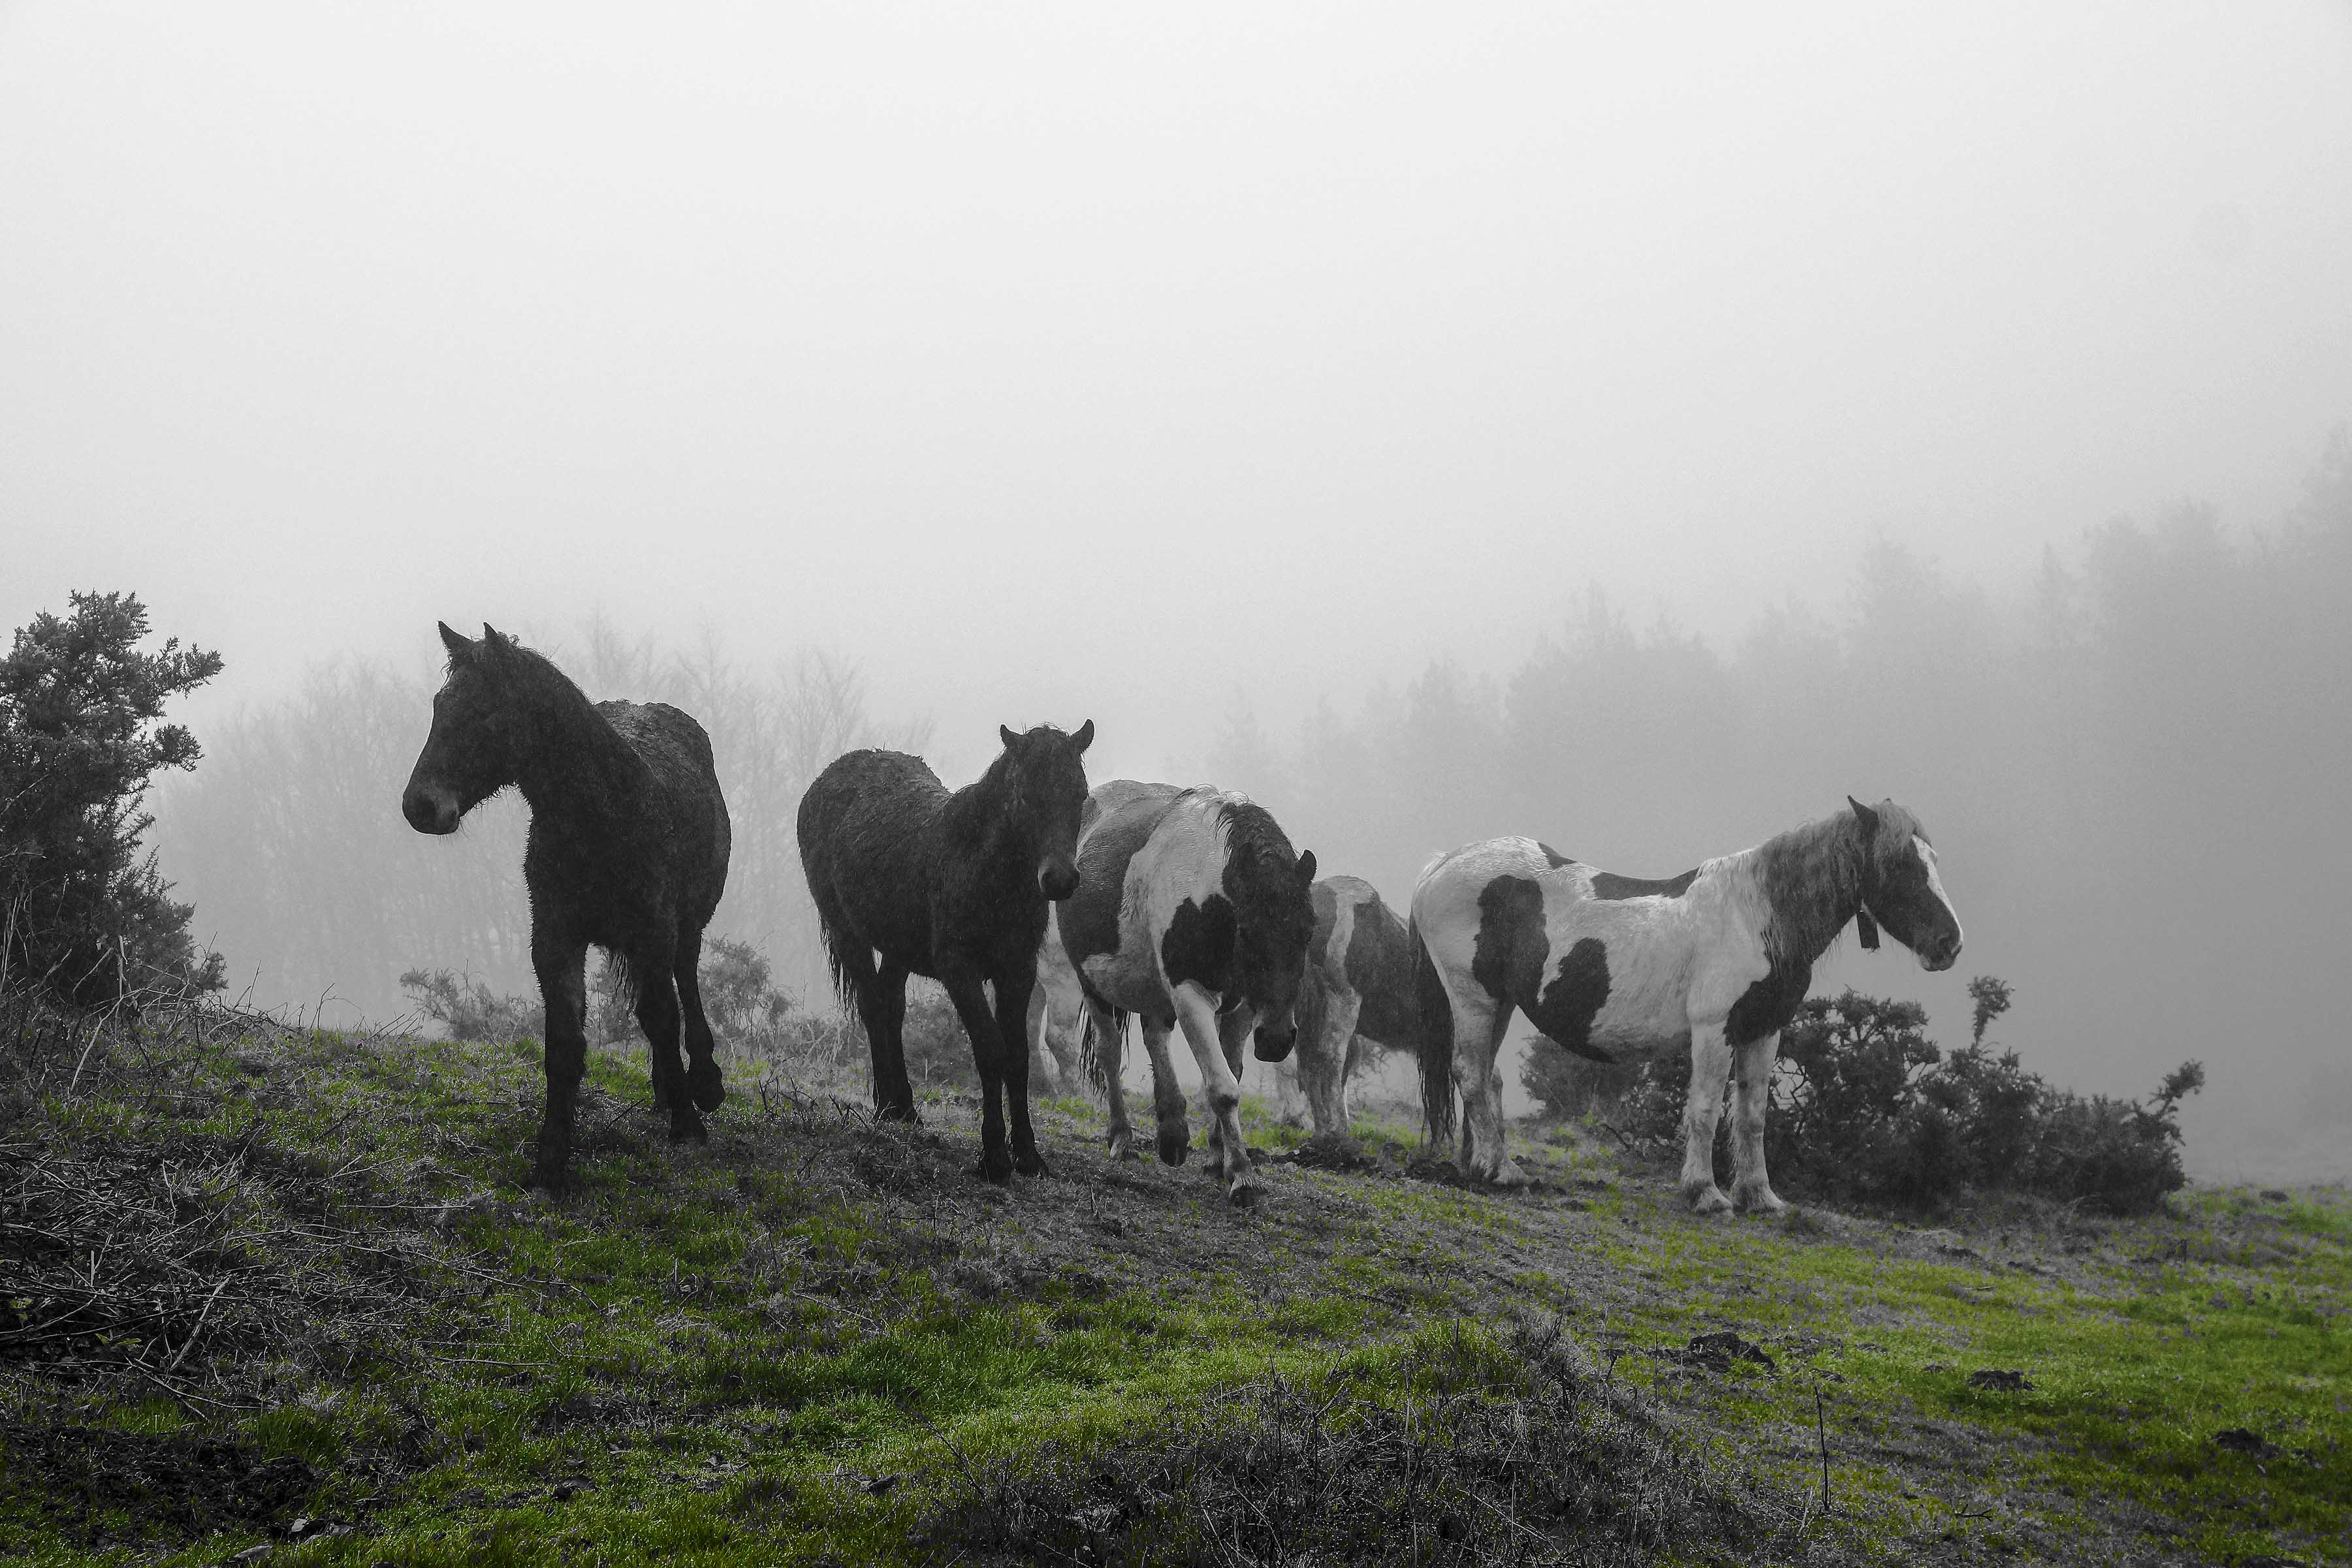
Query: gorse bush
x,y
1867,1108
84,913
466,1008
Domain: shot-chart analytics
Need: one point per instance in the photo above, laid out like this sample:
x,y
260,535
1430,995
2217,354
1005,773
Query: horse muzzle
x,y
1057,879
1942,955
1269,1044
430,809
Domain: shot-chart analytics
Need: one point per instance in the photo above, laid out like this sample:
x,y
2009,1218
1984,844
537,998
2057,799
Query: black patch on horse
x,y
1199,944
1558,860
1610,885
1508,958
1380,970
1089,917
1574,998
1765,1006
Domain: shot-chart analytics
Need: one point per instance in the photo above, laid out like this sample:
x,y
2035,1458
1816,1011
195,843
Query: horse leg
x,y
1290,1105
657,1015
1479,1028
703,1083
1013,1037
1751,1188
882,1008
563,990
1110,1059
1203,1031
1324,1073
1167,1094
988,1052
1710,1067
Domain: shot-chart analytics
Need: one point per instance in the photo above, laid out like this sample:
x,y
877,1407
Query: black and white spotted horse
x,y
1357,994
1192,913
1616,968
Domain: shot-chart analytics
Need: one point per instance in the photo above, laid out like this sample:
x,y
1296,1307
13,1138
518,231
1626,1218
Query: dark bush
x,y
466,1008
84,915
1867,1108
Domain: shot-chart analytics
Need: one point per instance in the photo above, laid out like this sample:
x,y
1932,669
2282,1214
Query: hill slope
x,y
276,1287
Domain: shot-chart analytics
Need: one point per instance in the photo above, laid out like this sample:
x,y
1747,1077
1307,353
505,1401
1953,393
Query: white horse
x,y
1190,911
1612,967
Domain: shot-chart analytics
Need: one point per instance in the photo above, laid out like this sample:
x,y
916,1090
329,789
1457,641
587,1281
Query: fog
x,y
1637,427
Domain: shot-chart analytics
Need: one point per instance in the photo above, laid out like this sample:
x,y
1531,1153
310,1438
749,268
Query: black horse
x,y
628,851
953,886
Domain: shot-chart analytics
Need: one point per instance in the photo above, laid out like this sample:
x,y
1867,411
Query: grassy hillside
x,y
274,1294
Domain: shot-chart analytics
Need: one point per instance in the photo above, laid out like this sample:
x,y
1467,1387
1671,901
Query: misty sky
x,y
1069,362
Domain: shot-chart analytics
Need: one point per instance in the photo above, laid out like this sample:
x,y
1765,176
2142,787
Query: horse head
x,y
1047,773
1274,921
471,753
1901,888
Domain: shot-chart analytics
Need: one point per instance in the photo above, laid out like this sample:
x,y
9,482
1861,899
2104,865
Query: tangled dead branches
x,y
196,1267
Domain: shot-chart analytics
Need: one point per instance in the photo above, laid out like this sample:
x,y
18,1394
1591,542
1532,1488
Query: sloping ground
x,y
284,1291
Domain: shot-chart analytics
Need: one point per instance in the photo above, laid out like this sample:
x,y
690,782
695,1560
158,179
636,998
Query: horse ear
x,y
1307,867
1011,739
460,645
1863,814
1084,738
495,643
1867,929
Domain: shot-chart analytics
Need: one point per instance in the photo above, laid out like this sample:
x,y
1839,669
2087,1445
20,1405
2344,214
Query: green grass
x,y
795,1345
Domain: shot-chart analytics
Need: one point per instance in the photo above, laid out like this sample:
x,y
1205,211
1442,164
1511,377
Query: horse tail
x,y
1436,1010
1090,1053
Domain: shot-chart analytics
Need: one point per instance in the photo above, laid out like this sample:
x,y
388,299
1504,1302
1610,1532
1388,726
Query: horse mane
x,y
1811,879
1251,831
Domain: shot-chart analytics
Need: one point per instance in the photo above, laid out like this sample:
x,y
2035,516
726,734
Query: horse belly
x,y
1127,980
1644,1012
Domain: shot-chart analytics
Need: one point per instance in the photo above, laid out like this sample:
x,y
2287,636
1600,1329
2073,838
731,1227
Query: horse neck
x,y
1810,879
979,818
578,763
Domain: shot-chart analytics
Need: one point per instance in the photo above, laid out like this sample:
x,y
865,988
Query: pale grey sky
x,y
1061,361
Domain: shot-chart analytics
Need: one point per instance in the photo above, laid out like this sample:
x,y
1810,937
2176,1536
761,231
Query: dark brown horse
x,y
628,852
910,879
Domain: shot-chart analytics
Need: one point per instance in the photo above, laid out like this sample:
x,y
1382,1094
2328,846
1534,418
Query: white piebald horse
x,y
1358,991
1191,911
1616,968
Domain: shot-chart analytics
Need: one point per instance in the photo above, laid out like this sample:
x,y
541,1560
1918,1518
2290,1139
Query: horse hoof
x,y
555,1181
1121,1146
702,1081
688,1129
995,1170
1174,1145
1710,1201
1032,1164
1767,1203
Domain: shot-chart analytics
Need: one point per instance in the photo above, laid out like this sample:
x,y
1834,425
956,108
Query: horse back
x,y
866,827
681,828
1600,963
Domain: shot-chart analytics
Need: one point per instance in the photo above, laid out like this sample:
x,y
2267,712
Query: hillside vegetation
x,y
270,1294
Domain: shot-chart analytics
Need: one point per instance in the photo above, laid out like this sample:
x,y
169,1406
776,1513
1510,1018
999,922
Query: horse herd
x,y
1045,908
